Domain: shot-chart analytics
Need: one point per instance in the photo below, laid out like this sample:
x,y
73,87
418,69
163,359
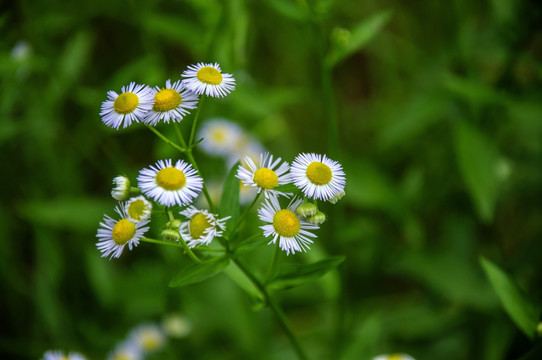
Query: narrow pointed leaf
x,y
290,275
229,204
523,311
195,273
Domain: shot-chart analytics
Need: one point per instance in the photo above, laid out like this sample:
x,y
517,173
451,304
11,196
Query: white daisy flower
x,y
149,337
171,103
121,191
394,357
127,350
317,176
59,355
220,137
208,79
266,176
286,225
131,105
176,325
114,235
138,209
202,226
169,184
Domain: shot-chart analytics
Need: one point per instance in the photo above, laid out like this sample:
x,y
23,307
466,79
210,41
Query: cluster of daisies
x,y
142,341
150,105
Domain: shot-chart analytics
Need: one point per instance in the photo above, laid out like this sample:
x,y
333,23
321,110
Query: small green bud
x,y
307,209
341,36
174,224
337,197
317,219
121,190
171,235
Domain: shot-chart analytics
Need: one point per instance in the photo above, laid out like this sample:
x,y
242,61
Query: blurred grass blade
x,y
290,9
229,204
477,158
290,275
195,273
523,311
357,38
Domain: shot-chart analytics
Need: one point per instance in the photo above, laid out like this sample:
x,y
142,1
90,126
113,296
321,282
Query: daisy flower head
x,y
121,190
149,337
169,184
171,103
127,350
317,176
394,357
131,105
208,79
286,226
138,209
266,176
59,355
220,137
202,226
114,235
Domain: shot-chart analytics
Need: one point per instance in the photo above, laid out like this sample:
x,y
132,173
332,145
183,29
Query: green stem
x,y
165,139
247,210
195,121
161,242
281,317
274,263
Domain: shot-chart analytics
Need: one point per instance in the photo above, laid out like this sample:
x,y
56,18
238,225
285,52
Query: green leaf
x,y
229,204
478,159
523,311
234,273
290,9
290,275
357,38
195,273
250,244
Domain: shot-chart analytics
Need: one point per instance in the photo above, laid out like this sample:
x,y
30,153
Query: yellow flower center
x,y
123,231
218,135
318,173
170,178
209,75
266,178
137,209
197,226
395,357
286,223
125,103
150,341
166,99
123,356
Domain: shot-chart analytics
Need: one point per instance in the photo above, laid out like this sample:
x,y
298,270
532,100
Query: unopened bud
x,y
337,197
171,235
174,224
121,190
307,209
317,219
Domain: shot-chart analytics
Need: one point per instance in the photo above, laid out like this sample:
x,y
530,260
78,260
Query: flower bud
x,y
317,219
171,235
337,197
174,224
121,190
307,209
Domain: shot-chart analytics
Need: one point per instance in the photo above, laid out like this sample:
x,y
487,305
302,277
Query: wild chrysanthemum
x,y
286,225
220,137
127,350
114,235
59,355
149,337
121,191
266,176
131,105
317,176
171,103
394,357
208,79
138,209
202,226
169,184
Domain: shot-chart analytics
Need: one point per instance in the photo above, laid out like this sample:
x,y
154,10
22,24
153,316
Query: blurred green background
x,y
439,129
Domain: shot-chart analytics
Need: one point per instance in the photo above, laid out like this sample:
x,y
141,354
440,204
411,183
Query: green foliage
x,y
290,275
523,310
197,272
